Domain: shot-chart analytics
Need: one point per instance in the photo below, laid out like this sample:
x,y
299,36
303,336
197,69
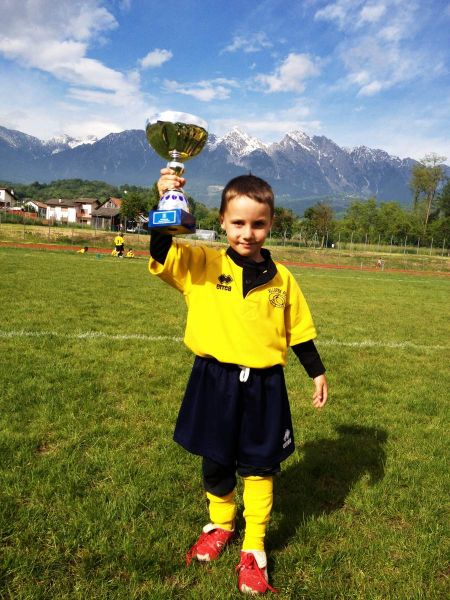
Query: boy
x,y
119,245
244,311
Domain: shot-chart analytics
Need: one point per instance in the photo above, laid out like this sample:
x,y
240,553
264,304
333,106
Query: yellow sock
x,y
222,510
258,500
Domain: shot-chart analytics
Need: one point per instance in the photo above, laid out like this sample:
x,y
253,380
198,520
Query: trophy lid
x,y
172,132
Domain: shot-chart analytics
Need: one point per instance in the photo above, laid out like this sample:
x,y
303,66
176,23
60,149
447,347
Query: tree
x,y
320,217
283,221
361,217
443,201
133,204
211,220
426,177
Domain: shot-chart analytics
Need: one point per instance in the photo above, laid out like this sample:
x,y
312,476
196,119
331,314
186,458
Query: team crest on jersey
x,y
224,282
277,297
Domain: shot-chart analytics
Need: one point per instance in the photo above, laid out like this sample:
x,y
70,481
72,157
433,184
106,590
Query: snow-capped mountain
x,y
301,169
63,142
238,144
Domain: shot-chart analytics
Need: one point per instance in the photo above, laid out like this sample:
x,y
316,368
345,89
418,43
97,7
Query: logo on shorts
x,y
224,282
277,297
287,438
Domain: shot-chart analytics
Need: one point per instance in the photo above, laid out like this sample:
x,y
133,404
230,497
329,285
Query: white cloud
x,y
378,50
155,58
253,42
337,11
43,37
372,13
206,91
370,89
55,37
290,76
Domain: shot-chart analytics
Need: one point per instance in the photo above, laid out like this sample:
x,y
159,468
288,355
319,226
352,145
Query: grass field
x,y
98,502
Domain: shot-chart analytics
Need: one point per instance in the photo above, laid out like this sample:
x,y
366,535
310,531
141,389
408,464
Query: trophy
x,y
176,137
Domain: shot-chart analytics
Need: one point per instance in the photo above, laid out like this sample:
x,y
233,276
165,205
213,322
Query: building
x,y
7,198
71,211
37,207
107,215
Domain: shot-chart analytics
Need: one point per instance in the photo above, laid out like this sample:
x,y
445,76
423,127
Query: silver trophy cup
x,y
176,137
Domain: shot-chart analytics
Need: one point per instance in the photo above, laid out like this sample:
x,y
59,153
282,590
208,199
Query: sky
x,y
360,72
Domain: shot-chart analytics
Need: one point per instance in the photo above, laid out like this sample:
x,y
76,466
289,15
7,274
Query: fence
x,y
356,251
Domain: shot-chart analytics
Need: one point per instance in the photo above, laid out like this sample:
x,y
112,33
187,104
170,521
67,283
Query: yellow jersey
x,y
253,331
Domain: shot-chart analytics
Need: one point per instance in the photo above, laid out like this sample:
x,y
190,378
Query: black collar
x,y
244,261
254,273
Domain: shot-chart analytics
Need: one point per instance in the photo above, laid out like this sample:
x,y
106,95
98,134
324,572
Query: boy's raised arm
x,y
160,242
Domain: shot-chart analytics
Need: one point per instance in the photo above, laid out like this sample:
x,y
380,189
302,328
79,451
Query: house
x,y
37,207
7,198
71,211
107,215
85,206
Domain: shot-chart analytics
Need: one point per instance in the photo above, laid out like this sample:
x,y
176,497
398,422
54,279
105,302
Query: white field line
x,y
93,335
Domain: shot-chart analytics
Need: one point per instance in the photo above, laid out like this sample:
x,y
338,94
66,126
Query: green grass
x,y
97,501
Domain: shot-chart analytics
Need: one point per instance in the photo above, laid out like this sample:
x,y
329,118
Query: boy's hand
x,y
169,181
321,391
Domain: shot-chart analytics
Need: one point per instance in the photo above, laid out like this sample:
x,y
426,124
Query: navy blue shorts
x,y
234,422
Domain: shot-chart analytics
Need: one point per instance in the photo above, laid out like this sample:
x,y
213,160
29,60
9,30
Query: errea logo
x,y
224,282
287,438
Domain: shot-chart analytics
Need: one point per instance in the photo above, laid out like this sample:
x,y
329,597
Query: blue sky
x,y
361,72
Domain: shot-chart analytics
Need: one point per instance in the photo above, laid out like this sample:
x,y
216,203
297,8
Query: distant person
x,y
119,245
83,250
130,253
380,263
244,311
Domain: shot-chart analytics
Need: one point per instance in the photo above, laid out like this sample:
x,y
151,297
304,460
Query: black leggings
x,y
220,480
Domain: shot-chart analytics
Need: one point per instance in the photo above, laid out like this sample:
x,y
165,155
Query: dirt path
x,y
58,247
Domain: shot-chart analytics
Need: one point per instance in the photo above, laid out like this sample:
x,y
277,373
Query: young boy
x,y
244,311
119,245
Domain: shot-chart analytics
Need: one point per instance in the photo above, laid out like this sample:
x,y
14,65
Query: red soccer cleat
x,y
252,571
210,544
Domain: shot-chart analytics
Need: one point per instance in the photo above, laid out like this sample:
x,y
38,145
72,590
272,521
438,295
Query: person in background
x,y
119,245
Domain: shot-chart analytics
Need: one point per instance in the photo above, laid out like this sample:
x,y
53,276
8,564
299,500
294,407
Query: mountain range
x,y
301,169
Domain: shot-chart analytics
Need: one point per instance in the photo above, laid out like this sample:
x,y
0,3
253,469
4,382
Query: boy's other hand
x,y
169,181
320,395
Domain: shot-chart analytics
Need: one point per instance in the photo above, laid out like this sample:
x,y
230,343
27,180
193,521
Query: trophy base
x,y
174,221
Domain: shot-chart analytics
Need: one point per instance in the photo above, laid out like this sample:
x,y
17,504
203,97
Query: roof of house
x,y
106,212
37,203
70,201
86,201
60,202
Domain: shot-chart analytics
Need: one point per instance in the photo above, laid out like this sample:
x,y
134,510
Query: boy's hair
x,y
251,186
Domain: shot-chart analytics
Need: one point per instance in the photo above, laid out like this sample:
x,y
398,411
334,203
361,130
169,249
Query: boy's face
x,y
247,224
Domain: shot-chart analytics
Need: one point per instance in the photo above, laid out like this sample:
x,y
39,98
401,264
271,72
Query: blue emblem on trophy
x,y
176,137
